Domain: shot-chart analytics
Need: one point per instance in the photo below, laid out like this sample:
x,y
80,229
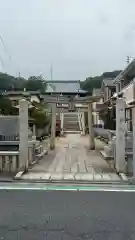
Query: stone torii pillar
x,y
120,135
53,127
83,124
62,122
91,132
23,132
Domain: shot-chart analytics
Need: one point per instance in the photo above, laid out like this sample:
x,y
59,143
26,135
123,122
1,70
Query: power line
x,y
5,47
2,62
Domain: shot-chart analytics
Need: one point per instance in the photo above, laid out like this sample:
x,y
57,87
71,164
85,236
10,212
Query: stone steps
x,y
72,131
71,122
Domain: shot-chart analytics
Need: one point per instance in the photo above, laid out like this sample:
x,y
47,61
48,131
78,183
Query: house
x,y
15,96
104,106
125,83
125,88
108,88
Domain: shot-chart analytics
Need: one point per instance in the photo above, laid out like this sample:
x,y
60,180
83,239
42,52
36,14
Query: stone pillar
x,y
34,130
79,121
83,124
23,146
133,126
117,88
53,127
62,123
91,132
120,135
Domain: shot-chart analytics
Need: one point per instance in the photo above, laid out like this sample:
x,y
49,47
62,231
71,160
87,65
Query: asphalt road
x,y
56,215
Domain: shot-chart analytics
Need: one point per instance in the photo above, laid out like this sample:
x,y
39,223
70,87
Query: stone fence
x,y
18,147
110,149
9,159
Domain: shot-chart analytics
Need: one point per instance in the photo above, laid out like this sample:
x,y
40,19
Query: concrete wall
x,y
129,93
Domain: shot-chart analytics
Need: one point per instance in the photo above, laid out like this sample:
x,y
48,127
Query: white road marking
x,y
64,188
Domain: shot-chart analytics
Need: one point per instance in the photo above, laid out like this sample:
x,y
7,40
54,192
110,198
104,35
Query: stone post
x,y
33,157
23,146
117,88
120,135
79,121
62,123
53,127
91,132
83,124
34,130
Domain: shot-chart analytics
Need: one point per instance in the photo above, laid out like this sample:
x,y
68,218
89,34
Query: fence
x,y
9,155
17,148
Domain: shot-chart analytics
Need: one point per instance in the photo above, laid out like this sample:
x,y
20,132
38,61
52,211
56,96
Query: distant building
x,y
65,88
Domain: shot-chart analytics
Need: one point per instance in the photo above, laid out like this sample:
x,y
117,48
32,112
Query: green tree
x,y
6,107
39,116
6,82
35,83
10,83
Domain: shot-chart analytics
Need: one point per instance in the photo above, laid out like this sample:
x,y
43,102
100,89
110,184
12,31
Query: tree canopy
x,y
33,83
6,107
39,116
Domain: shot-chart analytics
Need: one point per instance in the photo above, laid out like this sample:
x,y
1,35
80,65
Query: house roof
x,y
108,82
64,87
20,93
96,92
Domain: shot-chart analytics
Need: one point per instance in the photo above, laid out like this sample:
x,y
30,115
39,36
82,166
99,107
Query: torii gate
x,y
53,100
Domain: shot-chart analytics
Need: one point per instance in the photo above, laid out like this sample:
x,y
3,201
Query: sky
x,y
79,38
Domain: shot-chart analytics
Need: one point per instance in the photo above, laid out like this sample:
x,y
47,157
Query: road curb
x,y
62,181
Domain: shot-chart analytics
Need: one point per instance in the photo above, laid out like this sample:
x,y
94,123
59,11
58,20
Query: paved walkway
x,y
72,160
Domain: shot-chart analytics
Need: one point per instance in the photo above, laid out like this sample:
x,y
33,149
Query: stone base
x,y
92,148
83,134
105,156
